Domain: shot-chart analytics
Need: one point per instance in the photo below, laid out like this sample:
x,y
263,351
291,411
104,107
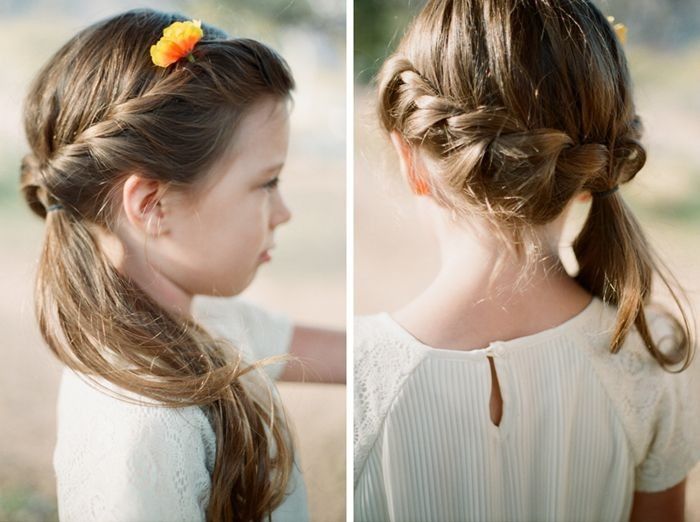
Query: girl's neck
x,y
166,293
459,310
130,261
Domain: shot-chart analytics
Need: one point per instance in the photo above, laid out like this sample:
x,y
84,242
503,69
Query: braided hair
x,y
517,106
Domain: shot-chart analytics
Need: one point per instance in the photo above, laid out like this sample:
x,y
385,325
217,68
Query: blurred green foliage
x,y
379,25
9,182
25,504
327,16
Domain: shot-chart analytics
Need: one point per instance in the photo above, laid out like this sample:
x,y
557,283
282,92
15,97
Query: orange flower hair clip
x,y
620,30
177,42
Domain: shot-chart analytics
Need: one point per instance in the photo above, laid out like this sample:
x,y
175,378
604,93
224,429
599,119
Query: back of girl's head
x,y
101,110
516,107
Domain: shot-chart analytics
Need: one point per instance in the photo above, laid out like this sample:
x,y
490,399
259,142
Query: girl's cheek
x,y
265,207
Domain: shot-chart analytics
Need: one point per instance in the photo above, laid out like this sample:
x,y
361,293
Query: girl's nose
x,y
282,213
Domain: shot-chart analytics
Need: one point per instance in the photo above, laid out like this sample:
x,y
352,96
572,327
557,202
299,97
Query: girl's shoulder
x,y
81,395
657,408
111,455
380,349
379,335
110,418
383,361
254,331
632,371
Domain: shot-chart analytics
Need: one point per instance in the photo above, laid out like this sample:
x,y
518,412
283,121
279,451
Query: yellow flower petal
x,y
620,30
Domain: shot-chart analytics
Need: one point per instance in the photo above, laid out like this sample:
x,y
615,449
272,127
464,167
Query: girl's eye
x,y
272,183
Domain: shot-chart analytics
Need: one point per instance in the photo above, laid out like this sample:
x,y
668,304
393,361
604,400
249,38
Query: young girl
x,y
509,390
156,148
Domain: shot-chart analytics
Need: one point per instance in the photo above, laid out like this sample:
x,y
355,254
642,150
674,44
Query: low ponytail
x,y
172,126
103,326
617,263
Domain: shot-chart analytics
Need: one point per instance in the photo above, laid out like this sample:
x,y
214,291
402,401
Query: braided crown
x,y
492,157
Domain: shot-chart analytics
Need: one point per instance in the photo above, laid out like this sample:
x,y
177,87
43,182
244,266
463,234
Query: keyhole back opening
x,y
496,400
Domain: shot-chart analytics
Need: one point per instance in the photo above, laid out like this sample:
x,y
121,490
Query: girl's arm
x,y
667,505
319,356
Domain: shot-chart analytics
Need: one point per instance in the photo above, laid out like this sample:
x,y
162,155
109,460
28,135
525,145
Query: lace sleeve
x,y
382,364
257,332
116,461
657,408
675,443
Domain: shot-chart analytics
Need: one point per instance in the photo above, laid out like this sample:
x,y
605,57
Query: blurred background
x,y
306,279
663,50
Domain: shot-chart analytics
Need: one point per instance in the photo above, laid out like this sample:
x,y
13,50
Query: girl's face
x,y
215,242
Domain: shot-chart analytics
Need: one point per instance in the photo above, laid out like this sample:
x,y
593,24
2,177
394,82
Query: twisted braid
x,y
489,148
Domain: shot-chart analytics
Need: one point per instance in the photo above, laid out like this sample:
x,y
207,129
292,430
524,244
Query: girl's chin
x,y
233,288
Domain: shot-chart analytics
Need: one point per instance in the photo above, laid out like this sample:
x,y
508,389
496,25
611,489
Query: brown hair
x,y
97,110
518,105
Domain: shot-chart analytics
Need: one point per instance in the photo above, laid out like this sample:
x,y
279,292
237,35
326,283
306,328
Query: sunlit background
x,y
305,280
394,257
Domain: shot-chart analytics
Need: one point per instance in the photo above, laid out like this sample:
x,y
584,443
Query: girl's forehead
x,y
258,146
263,135
266,112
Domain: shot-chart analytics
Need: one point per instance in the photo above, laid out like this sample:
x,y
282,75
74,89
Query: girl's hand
x,y
320,356
667,505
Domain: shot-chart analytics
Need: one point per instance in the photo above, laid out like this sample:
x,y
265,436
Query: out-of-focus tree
x,y
326,16
379,25
663,24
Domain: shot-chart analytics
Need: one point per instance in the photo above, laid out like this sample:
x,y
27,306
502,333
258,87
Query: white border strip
x,y
349,252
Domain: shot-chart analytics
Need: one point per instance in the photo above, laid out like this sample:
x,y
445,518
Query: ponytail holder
x,y
177,42
605,193
55,206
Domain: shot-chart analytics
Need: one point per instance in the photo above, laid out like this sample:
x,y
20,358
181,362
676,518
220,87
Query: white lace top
x,y
120,462
581,428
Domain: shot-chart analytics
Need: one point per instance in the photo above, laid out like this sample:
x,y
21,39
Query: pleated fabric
x,y
578,429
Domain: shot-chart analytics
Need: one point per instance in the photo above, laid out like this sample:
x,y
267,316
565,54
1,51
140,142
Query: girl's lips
x,y
265,256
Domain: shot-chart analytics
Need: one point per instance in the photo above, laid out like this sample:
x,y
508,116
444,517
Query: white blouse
x,y
581,428
116,461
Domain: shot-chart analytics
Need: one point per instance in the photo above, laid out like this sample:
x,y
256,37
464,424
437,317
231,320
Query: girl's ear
x,y
408,165
141,199
583,196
